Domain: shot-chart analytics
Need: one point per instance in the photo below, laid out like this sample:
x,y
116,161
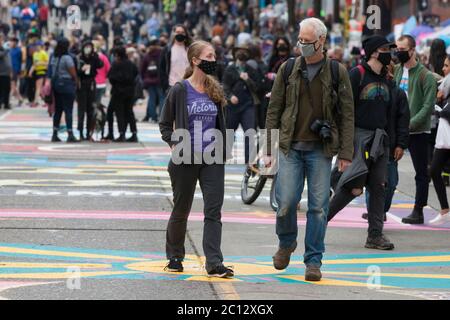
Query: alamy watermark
x,y
374,279
212,146
73,14
373,21
73,278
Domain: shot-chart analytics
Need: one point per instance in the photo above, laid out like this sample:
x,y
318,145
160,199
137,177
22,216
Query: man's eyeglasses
x,y
301,43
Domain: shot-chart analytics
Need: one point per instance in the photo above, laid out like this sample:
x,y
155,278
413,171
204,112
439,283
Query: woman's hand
x,y
234,100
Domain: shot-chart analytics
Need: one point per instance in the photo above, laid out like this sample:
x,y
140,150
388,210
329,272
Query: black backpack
x,y
334,77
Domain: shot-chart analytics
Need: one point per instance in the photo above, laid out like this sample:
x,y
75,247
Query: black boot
x,y
110,137
365,216
121,138
133,138
380,242
82,137
71,138
55,137
416,217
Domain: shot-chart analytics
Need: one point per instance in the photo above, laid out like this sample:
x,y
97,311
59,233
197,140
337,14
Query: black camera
x,y
323,129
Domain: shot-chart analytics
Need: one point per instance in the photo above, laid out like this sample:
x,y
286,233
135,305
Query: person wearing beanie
x,y
376,127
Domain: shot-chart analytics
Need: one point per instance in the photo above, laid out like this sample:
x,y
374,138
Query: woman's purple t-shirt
x,y
203,110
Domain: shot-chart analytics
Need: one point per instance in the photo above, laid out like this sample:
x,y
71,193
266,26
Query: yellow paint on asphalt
x,y
195,268
221,280
417,259
26,265
330,282
63,275
66,254
401,275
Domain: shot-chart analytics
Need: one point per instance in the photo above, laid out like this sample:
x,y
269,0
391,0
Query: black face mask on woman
x,y
180,37
208,67
283,48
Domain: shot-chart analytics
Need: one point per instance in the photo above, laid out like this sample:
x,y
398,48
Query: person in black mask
x,y
281,52
372,98
89,63
174,60
122,77
240,83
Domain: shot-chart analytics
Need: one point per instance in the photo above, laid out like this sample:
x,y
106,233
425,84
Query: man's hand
x,y
398,153
343,164
234,100
244,76
271,76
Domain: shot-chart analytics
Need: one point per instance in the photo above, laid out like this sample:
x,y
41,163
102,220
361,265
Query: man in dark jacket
x,y
122,77
398,132
305,97
150,77
241,86
5,75
89,63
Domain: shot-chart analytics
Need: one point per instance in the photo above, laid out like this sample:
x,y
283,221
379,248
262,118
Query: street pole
x,y
317,7
291,12
336,10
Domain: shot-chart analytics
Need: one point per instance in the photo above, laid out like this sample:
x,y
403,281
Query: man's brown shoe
x,y
313,273
282,257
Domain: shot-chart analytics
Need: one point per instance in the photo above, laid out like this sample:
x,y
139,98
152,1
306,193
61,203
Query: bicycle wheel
x,y
252,185
273,200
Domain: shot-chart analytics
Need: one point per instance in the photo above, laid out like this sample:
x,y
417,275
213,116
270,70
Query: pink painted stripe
x,y
233,217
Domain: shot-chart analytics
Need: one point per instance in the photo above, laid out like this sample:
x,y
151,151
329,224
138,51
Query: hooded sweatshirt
x,y
102,73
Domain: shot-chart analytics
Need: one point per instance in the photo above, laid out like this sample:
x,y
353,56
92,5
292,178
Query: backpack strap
x,y
335,75
335,82
288,70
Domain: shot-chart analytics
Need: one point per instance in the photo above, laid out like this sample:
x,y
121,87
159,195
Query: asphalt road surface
x,y
87,221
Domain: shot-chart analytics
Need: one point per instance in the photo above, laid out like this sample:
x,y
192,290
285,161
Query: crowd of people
x,y
245,67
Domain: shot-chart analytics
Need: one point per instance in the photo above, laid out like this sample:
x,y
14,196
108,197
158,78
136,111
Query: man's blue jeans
x,y
154,93
293,169
391,185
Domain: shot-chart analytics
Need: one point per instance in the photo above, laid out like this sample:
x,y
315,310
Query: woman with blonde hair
x,y
199,100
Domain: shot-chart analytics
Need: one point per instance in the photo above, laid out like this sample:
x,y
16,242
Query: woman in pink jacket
x,y
102,73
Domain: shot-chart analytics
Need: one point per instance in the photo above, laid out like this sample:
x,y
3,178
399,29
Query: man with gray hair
x,y
312,107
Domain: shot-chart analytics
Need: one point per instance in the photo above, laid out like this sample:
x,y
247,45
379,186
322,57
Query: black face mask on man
x,y
403,56
242,56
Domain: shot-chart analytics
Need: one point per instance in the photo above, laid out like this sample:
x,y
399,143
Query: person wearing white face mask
x,y
87,71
